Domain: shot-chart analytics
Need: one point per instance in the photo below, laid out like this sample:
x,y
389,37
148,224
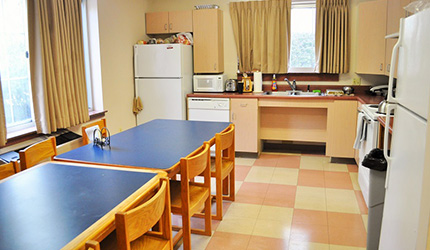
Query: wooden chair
x,y
188,197
132,227
101,123
37,152
8,169
223,168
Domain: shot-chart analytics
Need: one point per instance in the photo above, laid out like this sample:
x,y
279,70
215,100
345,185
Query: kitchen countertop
x,y
361,97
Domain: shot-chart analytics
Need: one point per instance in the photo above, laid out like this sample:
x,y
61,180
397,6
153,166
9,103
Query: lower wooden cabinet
x,y
341,129
244,114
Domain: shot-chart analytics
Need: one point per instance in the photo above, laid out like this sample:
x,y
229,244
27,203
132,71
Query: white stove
x,y
371,110
367,139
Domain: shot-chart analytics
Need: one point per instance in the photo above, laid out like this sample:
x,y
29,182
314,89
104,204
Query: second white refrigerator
x,y
163,78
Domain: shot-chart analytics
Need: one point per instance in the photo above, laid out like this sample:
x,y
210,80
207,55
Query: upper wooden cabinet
x,y
395,11
376,19
169,22
372,20
208,41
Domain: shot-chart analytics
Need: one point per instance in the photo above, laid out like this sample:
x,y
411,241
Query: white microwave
x,y
209,83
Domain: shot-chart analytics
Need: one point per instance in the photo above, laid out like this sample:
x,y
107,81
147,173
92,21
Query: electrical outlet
x,y
356,81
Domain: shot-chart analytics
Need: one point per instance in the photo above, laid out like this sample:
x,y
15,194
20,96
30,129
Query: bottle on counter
x,y
274,84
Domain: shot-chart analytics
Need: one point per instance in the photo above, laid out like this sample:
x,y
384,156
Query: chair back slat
x,y
225,139
7,170
139,220
198,162
38,152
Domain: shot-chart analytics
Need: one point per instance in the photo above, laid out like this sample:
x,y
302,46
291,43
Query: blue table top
x,y
47,206
158,144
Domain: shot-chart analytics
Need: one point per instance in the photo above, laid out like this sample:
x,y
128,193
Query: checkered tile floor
x,y
290,201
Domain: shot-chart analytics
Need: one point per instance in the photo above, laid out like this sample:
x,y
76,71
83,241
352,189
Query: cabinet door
x,y
395,11
157,23
342,124
208,41
372,19
180,21
244,115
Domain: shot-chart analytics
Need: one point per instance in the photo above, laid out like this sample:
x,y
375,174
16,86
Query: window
x,y
14,67
302,51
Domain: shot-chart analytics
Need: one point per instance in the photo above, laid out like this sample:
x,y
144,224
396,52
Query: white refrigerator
x,y
405,220
163,77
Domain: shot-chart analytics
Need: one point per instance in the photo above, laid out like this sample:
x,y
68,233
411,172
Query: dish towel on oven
x,y
361,131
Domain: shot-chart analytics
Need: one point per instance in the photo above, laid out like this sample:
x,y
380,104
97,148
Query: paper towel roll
x,y
258,82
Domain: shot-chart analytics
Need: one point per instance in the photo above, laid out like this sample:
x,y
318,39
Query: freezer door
x,y
403,198
161,99
413,86
158,60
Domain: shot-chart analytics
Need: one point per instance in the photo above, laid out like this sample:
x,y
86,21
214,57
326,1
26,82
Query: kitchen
x,y
117,68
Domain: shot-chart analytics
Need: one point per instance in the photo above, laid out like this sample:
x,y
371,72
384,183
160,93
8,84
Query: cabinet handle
x,y
214,66
244,104
233,116
165,26
170,26
381,67
388,67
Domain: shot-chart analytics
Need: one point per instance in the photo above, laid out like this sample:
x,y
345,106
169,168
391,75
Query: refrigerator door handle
x,y
393,65
390,108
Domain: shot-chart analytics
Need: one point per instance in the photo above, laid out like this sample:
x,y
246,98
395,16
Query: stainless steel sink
x,y
293,93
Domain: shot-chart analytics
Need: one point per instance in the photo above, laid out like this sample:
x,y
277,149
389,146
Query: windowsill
x,y
21,132
310,77
30,134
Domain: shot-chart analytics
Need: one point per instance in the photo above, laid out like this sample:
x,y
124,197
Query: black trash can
x,y
377,164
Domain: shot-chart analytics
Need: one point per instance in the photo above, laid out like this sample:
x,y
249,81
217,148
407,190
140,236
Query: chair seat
x,y
149,242
226,167
198,195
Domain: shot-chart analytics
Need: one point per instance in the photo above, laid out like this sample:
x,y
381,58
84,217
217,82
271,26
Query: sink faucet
x,y
292,85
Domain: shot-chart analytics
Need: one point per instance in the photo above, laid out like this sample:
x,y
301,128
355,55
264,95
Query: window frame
x,y
85,33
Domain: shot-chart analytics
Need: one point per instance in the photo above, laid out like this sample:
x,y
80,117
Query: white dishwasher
x,y
209,109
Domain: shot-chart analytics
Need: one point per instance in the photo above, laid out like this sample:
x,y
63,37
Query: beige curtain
x,y
59,87
3,132
261,31
332,36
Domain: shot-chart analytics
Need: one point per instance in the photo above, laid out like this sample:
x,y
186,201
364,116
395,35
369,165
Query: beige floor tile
x,y
237,225
354,180
273,229
284,214
198,241
243,210
341,200
300,245
365,218
312,198
313,162
260,174
237,185
286,176
335,167
244,161
337,247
